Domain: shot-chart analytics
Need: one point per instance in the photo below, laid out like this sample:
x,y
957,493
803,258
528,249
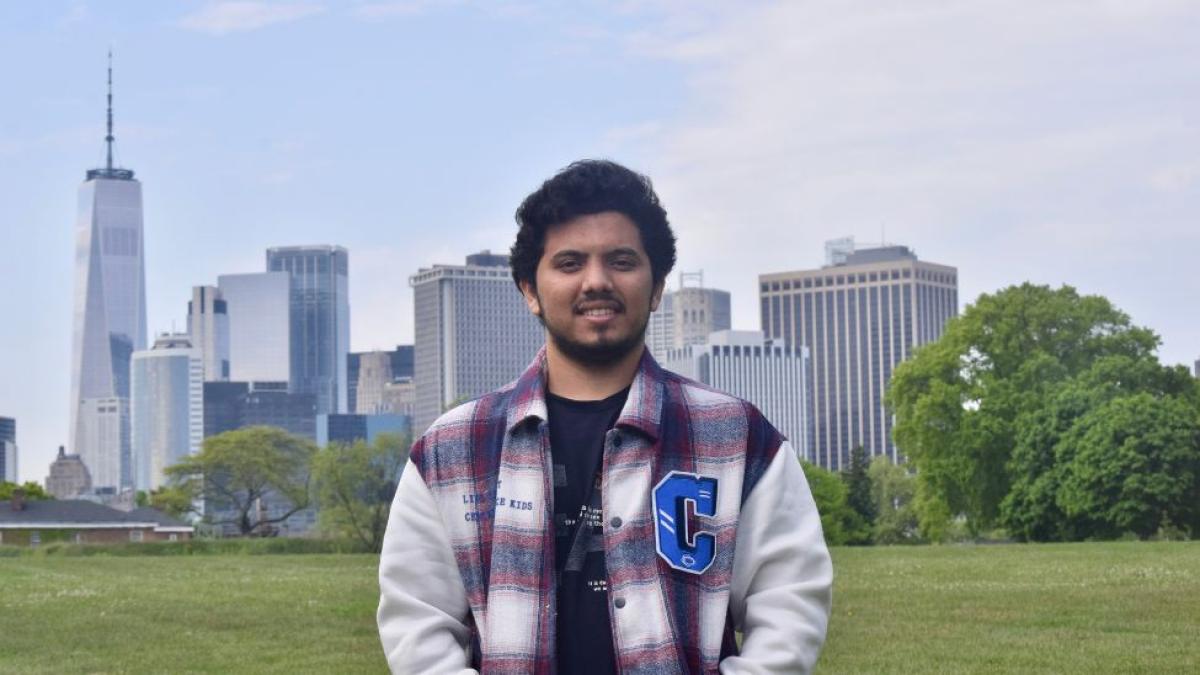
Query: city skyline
x,y
1050,145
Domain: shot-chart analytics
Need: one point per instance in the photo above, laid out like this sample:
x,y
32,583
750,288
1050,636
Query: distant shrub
x,y
270,546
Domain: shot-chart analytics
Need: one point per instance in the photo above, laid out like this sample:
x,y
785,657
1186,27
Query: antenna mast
x,y
108,140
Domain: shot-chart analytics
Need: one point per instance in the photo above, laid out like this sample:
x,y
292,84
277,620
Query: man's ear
x,y
656,296
531,298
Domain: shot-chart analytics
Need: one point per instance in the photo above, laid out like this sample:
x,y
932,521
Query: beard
x,y
602,353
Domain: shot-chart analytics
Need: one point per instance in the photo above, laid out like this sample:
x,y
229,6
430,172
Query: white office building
x,y
768,374
208,331
687,315
859,316
167,417
474,333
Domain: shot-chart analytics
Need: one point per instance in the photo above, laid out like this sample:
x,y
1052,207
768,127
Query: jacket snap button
x,y
619,602
615,522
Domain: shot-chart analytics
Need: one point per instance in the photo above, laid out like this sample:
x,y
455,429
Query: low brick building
x,y
30,523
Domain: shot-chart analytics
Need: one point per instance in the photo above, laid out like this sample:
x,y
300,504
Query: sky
x,y
1051,142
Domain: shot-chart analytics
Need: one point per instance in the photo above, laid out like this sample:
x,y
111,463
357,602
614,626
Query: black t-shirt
x,y
577,431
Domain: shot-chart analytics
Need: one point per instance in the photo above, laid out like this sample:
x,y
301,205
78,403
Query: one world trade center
x,y
110,315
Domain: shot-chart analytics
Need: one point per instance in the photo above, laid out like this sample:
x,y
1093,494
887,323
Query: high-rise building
x,y
768,374
110,314
234,405
68,478
167,412
259,310
351,428
688,315
8,450
320,320
399,367
208,331
859,319
473,333
400,397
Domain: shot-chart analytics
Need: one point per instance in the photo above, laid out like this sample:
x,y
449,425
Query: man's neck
x,y
587,382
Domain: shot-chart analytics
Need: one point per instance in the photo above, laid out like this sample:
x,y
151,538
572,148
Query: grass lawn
x,y
1073,608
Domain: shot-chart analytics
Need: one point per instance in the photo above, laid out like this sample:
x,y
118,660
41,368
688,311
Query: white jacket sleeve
x,y
423,604
782,586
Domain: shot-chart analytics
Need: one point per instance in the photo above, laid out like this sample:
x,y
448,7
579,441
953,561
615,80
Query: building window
x,y
135,535
173,537
77,538
35,538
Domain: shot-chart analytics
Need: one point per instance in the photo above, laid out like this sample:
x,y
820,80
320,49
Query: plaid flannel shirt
x,y
485,481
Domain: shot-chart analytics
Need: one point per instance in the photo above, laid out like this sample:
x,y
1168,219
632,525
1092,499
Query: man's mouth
x,y
599,310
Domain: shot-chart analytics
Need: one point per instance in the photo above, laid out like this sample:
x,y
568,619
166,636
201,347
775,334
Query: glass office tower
x,y
320,320
109,317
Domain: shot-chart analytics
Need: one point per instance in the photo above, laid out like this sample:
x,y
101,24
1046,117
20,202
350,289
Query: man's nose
x,y
596,278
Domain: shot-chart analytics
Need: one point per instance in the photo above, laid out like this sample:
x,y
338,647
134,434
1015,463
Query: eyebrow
x,y
573,253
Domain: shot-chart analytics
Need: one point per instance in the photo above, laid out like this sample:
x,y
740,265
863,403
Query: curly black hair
x,y
587,187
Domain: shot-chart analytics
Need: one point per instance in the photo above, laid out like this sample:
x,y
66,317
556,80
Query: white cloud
x,y
1039,143
221,18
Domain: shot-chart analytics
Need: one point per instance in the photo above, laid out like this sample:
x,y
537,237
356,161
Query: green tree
x,y
33,491
1046,467
355,484
961,402
1131,465
858,485
893,490
840,523
171,500
235,471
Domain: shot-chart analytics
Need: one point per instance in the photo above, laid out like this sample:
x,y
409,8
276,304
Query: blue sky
x,y
1053,142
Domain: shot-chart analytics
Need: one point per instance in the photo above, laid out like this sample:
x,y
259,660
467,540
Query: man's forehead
x,y
607,231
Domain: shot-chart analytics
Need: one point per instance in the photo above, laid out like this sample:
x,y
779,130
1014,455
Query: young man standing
x,y
600,514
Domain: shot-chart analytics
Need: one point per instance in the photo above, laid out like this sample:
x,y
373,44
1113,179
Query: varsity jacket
x,y
709,528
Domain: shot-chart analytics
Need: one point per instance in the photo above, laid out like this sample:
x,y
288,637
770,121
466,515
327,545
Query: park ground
x,y
1125,607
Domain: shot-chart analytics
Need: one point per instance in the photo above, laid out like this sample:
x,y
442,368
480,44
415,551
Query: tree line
x,y
237,472
1044,415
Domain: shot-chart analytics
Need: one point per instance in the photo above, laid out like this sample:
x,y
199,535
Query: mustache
x,y
597,298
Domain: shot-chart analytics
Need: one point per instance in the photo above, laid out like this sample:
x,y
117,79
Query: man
x,y
600,514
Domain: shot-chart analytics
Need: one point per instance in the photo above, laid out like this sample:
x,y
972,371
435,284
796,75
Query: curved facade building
x,y
168,408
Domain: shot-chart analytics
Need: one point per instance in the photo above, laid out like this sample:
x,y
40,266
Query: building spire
x,y
108,140
109,171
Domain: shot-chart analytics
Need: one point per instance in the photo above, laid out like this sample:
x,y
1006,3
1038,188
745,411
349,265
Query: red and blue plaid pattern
x,y
487,465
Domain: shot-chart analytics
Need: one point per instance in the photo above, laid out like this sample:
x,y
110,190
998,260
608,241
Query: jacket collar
x,y
643,407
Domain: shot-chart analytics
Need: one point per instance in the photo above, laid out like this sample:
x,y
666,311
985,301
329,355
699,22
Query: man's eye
x,y
624,263
568,265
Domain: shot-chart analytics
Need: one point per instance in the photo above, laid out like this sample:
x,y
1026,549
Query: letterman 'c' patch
x,y
683,550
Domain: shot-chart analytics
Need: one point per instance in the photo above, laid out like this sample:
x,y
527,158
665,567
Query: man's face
x,y
595,289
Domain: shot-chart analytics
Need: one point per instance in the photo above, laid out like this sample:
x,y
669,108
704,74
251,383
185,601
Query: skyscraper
x,y
859,318
320,320
167,411
8,449
110,315
259,309
208,331
688,315
372,383
768,374
473,333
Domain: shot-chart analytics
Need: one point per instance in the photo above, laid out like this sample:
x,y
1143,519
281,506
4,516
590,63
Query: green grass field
x,y
1078,608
